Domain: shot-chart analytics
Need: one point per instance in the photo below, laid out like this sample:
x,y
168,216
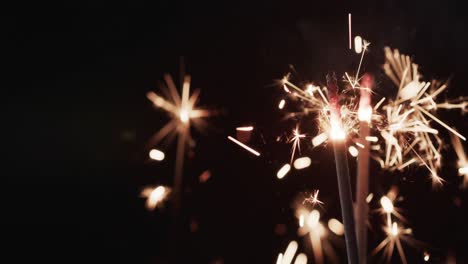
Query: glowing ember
x,y
369,197
247,128
290,252
358,44
256,153
319,139
283,171
156,155
336,226
281,104
426,256
301,259
387,204
154,196
301,220
353,151
313,219
302,163
372,139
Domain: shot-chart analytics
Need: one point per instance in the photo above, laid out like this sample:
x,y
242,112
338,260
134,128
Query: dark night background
x,y
77,121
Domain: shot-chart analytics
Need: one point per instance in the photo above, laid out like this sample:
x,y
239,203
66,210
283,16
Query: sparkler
x,y
338,137
362,185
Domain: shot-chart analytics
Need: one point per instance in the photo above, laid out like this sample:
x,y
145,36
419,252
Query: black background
x,y
77,120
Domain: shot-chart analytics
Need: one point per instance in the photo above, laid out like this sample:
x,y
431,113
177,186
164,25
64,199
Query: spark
x,y
181,109
296,141
395,235
462,162
281,104
358,44
256,153
289,253
336,226
319,139
283,171
369,197
155,154
349,30
313,199
302,163
247,128
426,256
372,139
301,259
154,196
353,151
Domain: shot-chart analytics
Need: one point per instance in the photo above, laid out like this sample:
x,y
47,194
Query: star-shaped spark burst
x,y
296,141
183,113
395,235
313,199
182,110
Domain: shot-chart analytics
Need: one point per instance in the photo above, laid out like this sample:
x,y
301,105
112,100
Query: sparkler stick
x,y
362,185
338,137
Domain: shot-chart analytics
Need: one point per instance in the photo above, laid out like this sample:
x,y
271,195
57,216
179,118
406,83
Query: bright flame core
x,y
184,115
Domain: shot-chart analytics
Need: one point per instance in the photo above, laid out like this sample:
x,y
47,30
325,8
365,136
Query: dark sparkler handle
x,y
344,188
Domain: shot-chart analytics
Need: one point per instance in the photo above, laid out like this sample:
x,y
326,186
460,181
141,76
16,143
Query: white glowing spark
x,y
281,104
256,153
283,171
336,226
358,44
154,196
156,155
353,151
387,204
247,128
319,139
296,141
302,163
